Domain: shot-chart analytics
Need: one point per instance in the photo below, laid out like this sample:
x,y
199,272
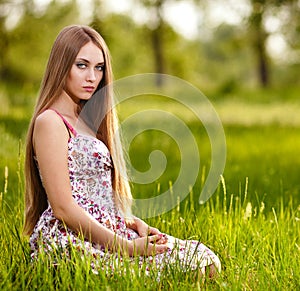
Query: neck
x,y
66,105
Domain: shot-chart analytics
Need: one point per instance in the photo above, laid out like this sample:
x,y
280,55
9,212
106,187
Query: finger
x,y
159,249
160,238
143,233
153,230
161,241
153,249
164,238
154,238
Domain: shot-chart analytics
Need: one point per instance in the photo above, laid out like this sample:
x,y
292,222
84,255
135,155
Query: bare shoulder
x,y
48,119
49,124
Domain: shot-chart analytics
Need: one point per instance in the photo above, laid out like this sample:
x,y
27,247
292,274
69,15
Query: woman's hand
x,y
147,246
144,230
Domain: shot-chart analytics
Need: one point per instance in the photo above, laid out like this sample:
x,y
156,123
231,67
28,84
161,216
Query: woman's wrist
x,y
133,223
124,246
130,248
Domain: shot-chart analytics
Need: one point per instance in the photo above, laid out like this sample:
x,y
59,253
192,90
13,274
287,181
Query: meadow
x,y
252,221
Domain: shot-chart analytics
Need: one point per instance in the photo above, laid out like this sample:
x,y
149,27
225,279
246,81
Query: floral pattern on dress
x,y
90,170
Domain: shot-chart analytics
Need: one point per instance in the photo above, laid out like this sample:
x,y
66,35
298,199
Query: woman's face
x,y
86,73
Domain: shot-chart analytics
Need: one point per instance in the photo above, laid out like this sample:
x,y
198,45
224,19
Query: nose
x,y
91,76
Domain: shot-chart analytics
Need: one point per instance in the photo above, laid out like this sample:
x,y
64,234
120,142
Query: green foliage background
x,y
259,249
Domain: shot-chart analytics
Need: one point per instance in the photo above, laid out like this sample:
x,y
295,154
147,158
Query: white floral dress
x,y
90,168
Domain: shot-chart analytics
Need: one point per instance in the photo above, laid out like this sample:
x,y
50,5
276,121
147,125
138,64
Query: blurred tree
x,y
3,39
169,50
258,39
132,45
98,16
222,61
258,34
227,60
123,36
156,34
29,42
291,24
290,29
255,31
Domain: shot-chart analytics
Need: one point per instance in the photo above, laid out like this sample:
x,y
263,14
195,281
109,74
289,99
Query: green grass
x,y
258,248
252,222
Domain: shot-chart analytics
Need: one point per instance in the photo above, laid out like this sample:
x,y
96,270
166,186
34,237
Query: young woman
x,y
76,191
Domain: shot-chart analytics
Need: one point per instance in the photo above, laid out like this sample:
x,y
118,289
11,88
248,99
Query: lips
x,y
89,88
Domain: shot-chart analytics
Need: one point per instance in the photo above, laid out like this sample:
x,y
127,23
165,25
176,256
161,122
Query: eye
x,y
100,67
81,65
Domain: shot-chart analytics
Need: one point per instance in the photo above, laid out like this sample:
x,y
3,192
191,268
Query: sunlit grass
x,y
231,111
252,222
259,249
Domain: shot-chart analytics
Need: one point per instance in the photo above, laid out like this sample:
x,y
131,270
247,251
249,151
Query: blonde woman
x,y
76,189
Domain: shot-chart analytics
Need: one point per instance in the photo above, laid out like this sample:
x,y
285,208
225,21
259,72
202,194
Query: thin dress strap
x,y
68,125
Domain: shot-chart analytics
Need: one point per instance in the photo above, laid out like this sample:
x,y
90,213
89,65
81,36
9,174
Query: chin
x,y
85,98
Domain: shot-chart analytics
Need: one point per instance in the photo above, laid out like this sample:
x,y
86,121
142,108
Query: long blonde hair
x,y
98,113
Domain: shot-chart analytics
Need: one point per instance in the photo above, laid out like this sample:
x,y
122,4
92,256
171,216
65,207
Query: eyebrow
x,y
87,61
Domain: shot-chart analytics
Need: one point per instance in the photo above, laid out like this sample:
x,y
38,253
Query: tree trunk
x,y
157,46
157,39
259,37
262,62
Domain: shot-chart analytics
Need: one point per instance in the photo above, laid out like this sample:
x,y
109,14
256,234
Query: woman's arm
x,y
50,140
